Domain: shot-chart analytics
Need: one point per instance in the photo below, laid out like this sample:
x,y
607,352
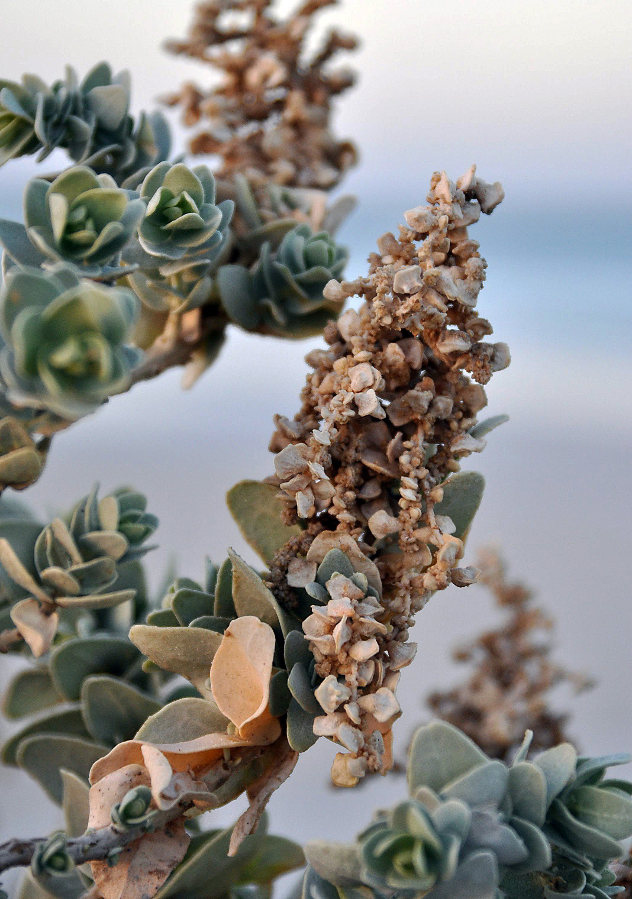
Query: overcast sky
x,y
536,93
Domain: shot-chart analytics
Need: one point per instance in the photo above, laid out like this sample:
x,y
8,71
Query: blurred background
x,y
538,95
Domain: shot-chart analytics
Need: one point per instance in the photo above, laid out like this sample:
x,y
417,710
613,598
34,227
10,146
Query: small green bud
x,y
51,857
133,809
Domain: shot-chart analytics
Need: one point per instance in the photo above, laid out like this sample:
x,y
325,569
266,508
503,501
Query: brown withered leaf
x,y
240,678
37,628
260,792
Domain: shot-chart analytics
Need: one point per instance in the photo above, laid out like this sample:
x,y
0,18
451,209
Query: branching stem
x,y
96,845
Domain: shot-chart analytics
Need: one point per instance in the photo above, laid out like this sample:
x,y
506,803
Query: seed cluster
x,y
388,411
269,116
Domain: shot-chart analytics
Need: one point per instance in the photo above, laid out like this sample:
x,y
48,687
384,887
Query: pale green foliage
x,y
199,255
283,294
65,340
90,119
257,511
85,562
474,828
81,218
181,218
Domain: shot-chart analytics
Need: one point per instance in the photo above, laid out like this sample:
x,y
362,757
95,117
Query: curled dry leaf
x,y
36,627
240,679
260,792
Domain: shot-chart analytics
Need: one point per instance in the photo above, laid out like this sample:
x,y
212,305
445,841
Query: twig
x,y
177,352
96,845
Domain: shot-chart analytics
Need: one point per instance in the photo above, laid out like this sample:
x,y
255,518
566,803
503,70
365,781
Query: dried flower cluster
x,y
269,117
508,691
623,871
387,415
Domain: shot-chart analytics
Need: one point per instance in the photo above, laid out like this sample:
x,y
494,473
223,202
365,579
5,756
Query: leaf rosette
x,y
411,849
65,340
88,118
81,218
181,219
283,294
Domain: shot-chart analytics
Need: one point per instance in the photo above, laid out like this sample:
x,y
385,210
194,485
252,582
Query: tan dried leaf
x,y
259,793
240,678
37,628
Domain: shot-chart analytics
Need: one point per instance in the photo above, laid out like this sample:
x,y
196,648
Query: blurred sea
x,y
558,477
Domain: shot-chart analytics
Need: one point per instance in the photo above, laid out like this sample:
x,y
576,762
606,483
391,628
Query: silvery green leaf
x,y
583,837
528,790
339,863
163,618
188,604
452,816
75,803
246,202
31,889
224,606
59,887
338,212
188,651
335,562
74,660
302,690
591,769
15,240
60,580
558,766
107,543
296,650
484,785
257,511
488,425
68,722
605,810
521,886
462,494
300,728
113,710
211,623
475,878
316,887
252,597
43,756
183,720
238,298
280,695
29,692
489,832
439,754
275,856
538,847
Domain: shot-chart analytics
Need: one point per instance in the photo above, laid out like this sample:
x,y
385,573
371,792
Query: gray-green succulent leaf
x,y
66,340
